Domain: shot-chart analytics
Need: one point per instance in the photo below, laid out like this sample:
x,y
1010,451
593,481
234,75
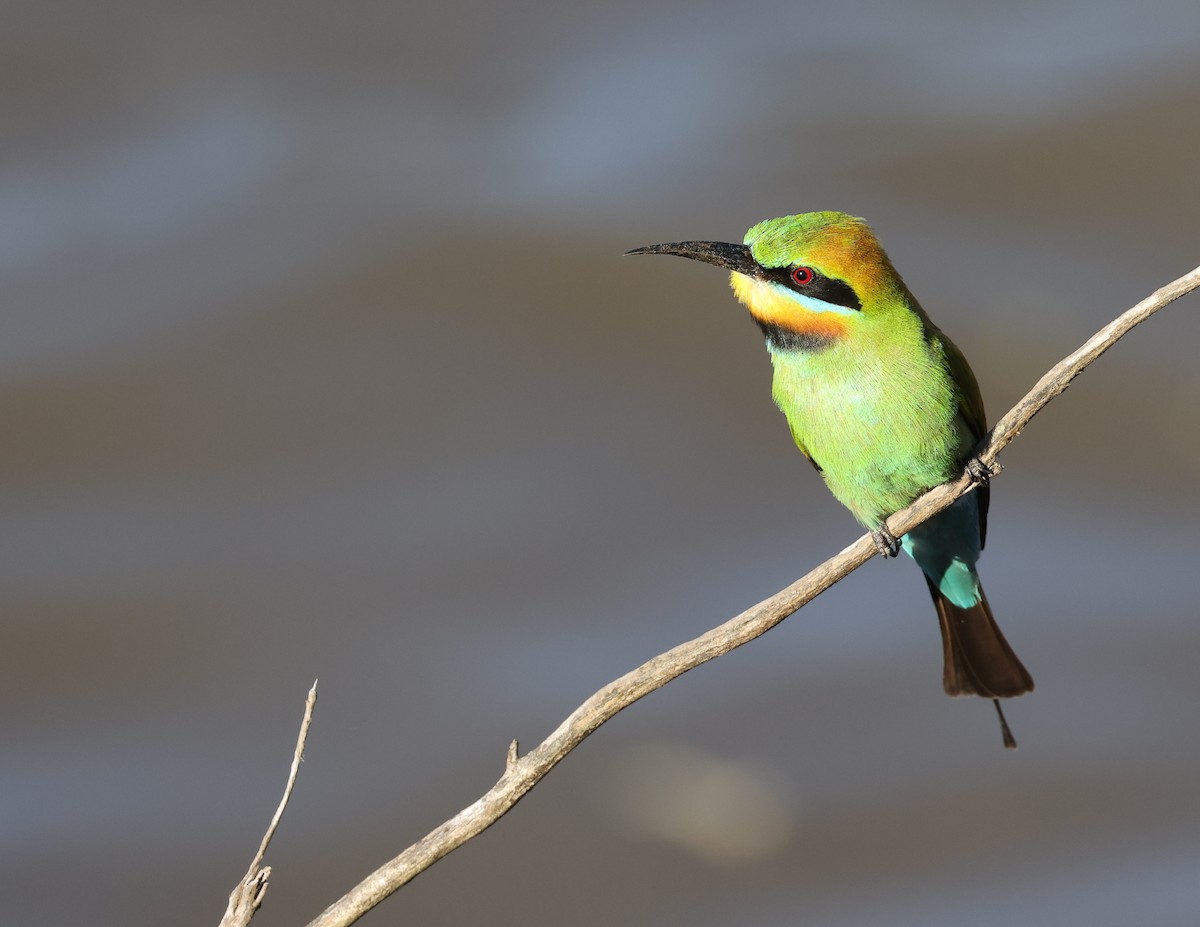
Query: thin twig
x,y
247,896
522,773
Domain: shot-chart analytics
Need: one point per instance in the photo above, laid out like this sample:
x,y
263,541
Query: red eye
x,y
802,276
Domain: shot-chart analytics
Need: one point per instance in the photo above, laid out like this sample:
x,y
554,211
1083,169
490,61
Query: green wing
x,y
970,400
804,451
970,407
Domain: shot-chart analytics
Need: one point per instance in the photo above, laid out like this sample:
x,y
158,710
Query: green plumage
x,y
878,416
882,402
889,408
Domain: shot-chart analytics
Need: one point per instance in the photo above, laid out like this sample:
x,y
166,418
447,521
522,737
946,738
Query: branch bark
x,y
247,895
523,772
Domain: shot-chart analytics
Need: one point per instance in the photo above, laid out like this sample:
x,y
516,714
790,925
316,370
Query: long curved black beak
x,y
720,253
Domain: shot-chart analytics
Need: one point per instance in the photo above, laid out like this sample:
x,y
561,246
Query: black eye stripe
x,y
827,289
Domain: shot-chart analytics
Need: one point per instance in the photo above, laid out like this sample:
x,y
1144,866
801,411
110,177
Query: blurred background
x,y
320,358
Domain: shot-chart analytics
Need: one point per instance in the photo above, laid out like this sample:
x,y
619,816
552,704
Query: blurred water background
x,y
319,357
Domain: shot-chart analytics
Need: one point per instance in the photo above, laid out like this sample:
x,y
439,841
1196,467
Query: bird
x,y
883,405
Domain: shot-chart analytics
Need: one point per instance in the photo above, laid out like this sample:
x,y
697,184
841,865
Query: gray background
x,y
319,357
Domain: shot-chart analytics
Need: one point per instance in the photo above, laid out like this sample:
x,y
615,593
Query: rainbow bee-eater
x,y
884,406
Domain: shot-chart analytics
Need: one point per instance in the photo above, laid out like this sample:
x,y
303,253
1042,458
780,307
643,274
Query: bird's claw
x,y
885,542
979,472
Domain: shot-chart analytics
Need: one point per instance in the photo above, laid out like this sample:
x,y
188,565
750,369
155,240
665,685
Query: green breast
x,y
881,422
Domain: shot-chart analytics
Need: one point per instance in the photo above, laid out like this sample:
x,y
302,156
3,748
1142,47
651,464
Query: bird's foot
x,y
885,542
979,472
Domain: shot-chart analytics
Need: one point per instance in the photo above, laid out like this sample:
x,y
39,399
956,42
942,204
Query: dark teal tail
x,y
976,658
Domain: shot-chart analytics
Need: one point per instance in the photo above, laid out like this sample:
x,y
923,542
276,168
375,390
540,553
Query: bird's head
x,y
808,280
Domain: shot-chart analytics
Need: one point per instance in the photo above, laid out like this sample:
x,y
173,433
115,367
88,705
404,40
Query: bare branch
x,y
247,896
522,773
